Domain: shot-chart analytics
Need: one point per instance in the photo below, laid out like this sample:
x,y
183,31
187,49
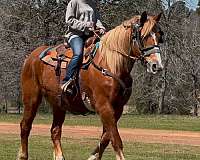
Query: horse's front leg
x,y
104,141
56,129
108,119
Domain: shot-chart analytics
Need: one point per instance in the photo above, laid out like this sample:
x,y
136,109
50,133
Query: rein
x,y
105,72
127,55
145,51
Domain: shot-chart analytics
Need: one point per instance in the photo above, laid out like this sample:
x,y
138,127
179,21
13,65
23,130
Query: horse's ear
x,y
127,24
143,18
157,18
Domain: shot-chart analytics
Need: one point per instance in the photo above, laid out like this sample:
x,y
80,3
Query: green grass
x,y
40,148
166,122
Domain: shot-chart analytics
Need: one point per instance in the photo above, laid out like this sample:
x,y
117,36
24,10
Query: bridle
x,y
136,38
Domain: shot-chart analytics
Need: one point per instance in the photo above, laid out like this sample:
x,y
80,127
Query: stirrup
x,y
66,85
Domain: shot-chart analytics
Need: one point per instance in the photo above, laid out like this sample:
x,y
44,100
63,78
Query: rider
x,y
82,18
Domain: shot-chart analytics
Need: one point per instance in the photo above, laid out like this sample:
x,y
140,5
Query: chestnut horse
x,y
107,82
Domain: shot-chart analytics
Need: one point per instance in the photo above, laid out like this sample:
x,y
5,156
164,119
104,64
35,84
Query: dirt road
x,y
133,135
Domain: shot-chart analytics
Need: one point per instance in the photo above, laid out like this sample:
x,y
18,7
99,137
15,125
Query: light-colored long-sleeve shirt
x,y
78,13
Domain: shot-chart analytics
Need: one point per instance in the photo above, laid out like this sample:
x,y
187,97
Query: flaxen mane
x,y
119,40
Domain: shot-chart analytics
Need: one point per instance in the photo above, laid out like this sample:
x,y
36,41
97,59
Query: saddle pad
x,y
50,54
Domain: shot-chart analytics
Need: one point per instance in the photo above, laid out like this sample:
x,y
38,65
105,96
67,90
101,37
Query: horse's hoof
x,y
94,157
21,156
59,157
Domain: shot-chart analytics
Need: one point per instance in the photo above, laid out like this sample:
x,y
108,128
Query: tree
x,y
25,25
198,8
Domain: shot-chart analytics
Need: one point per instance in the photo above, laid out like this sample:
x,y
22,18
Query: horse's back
x,y
36,52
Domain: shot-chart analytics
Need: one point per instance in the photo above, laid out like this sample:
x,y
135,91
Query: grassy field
x,y
40,148
166,122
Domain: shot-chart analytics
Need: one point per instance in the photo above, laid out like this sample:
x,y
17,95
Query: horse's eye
x,y
160,36
160,40
161,33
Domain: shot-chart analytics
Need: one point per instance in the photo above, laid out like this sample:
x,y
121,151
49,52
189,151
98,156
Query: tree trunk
x,y
163,89
197,101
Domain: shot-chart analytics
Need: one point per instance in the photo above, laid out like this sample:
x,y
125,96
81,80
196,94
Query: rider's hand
x,y
89,27
90,24
102,31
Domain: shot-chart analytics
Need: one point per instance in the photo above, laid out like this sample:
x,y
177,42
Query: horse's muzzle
x,y
153,67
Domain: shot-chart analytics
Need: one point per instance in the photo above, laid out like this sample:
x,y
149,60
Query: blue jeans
x,y
77,45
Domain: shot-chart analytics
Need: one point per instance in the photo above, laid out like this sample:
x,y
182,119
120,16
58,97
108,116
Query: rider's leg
x,y
77,45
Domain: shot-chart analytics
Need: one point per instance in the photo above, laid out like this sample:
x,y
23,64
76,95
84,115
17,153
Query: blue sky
x,y
192,4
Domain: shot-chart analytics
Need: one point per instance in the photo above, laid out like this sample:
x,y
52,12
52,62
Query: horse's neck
x,y
111,56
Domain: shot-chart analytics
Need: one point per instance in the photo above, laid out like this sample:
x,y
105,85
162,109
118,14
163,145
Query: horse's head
x,y
147,35
135,39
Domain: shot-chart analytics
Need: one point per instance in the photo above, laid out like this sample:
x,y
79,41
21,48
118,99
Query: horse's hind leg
x,y
118,149
104,141
105,138
108,119
31,100
56,129
112,131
